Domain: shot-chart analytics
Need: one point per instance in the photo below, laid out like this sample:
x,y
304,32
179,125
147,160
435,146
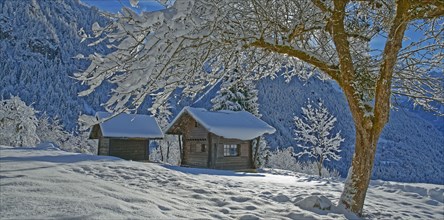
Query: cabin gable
x,y
202,148
195,142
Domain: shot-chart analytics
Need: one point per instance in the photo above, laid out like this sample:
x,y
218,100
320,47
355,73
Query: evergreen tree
x,y
242,95
237,95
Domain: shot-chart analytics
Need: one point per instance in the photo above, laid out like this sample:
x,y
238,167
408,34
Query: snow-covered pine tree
x,y
18,123
314,130
237,95
241,95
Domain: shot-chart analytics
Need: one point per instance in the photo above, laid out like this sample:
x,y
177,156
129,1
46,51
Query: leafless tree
x,y
193,43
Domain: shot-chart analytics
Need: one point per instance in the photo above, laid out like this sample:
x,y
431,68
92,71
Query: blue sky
x,y
114,6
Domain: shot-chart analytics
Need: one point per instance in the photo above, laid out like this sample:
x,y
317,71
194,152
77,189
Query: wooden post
x,y
210,147
250,143
147,150
214,154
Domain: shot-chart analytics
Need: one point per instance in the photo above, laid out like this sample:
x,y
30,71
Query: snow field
x,y
48,183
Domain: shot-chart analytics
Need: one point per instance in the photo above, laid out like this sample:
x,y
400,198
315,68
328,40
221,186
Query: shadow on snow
x,y
204,171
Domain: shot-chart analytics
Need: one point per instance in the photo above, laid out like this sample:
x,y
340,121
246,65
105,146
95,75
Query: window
x,y
196,124
199,148
231,150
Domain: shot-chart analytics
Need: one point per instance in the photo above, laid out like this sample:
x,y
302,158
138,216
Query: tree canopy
x,y
194,43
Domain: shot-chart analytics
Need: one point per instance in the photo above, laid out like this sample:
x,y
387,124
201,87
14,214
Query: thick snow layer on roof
x,y
229,124
129,126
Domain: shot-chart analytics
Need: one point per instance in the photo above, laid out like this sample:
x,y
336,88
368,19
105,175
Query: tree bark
x,y
320,162
161,153
359,175
168,151
369,128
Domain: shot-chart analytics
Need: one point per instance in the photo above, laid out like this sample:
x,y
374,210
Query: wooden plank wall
x,y
195,159
194,136
103,146
129,149
193,132
243,161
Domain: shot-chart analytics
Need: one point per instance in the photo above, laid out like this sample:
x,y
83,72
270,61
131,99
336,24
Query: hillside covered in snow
x,y
39,41
42,183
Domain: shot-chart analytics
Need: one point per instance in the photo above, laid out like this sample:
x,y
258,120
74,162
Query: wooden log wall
x,y
129,149
243,161
103,146
192,155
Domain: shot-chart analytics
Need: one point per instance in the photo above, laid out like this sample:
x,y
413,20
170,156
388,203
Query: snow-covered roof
x,y
129,126
228,124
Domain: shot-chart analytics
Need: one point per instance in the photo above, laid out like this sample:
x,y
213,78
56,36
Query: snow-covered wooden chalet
x,y
217,139
126,135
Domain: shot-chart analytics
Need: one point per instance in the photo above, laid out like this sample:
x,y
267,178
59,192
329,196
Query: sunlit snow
x,y
48,183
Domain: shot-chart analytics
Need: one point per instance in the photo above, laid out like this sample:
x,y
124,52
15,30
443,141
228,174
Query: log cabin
x,y
217,139
126,135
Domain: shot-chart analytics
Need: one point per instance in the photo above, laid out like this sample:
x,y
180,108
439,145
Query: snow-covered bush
x,y
167,149
50,130
18,123
79,142
311,168
313,129
285,159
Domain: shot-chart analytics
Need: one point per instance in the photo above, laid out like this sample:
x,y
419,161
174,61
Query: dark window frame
x,y
232,150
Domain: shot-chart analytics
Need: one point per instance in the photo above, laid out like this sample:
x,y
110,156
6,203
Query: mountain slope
x,y
38,40
410,148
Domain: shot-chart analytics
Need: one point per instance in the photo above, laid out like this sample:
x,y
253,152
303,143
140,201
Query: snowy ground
x,y
47,183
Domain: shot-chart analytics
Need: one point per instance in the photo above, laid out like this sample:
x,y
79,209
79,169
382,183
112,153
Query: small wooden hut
x,y
217,139
126,135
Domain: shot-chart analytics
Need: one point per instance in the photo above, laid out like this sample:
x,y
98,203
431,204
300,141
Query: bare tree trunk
x,y
368,129
168,151
360,172
161,153
319,163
